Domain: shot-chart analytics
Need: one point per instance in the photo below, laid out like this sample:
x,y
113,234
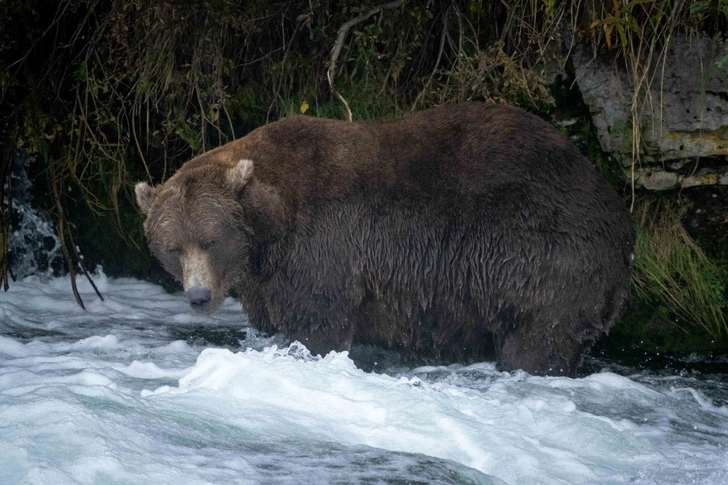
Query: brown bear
x,y
441,234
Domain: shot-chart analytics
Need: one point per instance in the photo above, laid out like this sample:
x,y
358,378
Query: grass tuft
x,y
673,272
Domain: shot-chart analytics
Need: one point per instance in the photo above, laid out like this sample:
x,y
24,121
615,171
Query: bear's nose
x,y
199,298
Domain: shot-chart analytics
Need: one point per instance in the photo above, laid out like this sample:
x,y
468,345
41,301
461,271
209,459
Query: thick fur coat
x,y
448,233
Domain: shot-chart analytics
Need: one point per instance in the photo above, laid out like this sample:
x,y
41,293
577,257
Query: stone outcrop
x,y
682,111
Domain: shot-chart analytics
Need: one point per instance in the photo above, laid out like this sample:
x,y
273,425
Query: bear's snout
x,y
199,298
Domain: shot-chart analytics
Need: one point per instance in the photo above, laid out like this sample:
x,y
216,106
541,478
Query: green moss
x,y
653,328
570,107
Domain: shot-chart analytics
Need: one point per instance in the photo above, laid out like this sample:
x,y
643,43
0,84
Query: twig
x,y
339,44
286,49
444,35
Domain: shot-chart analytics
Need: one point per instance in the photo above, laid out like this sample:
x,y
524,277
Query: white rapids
x,y
131,391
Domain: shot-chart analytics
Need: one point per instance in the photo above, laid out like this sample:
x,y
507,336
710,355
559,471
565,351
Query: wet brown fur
x,y
437,234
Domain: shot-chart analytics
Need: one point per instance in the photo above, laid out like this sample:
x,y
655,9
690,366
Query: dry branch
x,y
339,44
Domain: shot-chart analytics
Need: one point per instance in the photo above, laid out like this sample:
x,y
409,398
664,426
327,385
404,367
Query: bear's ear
x,y
240,174
144,196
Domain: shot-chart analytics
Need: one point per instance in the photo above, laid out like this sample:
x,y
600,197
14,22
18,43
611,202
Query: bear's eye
x,y
205,245
174,250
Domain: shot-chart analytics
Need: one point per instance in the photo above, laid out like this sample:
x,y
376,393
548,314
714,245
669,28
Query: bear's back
x,y
470,147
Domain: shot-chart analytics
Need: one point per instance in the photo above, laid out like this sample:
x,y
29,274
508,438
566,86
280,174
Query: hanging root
x,y
7,138
66,238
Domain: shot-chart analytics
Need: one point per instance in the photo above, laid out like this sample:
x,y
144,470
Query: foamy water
x,y
131,391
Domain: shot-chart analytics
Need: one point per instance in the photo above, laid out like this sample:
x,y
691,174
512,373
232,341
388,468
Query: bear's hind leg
x,y
320,341
552,353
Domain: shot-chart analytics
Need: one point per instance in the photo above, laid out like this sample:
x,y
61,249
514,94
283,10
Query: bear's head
x,y
202,224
